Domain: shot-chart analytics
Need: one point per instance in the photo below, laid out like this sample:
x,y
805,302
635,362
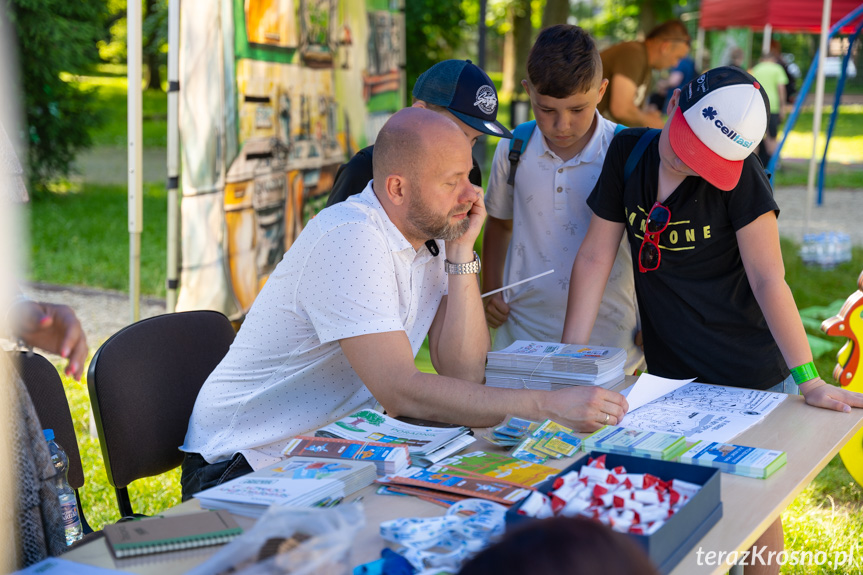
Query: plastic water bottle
x,y
808,249
68,503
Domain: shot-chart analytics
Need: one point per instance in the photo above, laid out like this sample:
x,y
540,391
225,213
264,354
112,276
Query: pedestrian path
x,y
841,211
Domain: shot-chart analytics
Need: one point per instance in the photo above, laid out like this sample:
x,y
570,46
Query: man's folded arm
x,y
385,363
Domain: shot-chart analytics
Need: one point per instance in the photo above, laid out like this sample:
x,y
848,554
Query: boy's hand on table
x,y
820,394
496,310
585,408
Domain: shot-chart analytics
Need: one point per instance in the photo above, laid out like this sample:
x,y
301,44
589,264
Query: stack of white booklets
x,y
427,445
295,482
550,366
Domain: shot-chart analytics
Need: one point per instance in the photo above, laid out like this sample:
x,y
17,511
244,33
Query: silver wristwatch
x,y
468,268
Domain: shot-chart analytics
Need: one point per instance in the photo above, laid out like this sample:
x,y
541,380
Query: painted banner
x,y
275,96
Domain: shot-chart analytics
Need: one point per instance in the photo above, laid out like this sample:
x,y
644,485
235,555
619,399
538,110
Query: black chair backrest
x,y
45,387
143,384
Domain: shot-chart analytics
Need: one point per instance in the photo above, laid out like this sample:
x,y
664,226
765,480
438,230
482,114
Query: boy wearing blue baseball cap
x,y
700,219
458,89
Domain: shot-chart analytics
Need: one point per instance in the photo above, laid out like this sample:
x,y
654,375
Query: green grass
x,y
836,175
80,237
112,93
828,514
846,143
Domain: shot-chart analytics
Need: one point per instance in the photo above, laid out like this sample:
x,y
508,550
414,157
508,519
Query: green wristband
x,y
804,373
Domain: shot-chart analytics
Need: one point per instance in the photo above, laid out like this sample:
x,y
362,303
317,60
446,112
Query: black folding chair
x,y
143,384
45,387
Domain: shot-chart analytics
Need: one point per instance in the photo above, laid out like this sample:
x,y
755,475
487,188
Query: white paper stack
x,y
549,366
295,482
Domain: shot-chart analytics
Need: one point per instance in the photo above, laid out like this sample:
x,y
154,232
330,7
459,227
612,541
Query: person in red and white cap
x,y
700,218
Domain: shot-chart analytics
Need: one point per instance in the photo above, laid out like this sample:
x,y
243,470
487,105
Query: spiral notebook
x,y
158,534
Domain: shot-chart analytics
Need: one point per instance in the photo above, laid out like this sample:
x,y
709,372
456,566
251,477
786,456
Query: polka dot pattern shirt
x,y
351,272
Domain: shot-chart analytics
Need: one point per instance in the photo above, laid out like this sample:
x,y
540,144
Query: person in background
x,y
51,327
538,223
736,58
458,89
629,68
790,70
37,519
700,219
561,546
773,79
680,75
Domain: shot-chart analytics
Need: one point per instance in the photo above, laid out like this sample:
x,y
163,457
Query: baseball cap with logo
x,y
720,120
466,91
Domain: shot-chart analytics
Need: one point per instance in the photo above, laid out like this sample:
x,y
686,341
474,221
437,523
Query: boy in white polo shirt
x,y
538,222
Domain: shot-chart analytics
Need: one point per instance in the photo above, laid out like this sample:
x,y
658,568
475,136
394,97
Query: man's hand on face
x,y
476,217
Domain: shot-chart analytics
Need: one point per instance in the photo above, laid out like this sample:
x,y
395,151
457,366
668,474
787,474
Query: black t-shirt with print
x,y
699,316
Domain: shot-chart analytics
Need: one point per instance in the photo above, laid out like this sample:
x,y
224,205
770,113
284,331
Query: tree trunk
x,y
154,81
507,86
647,17
556,12
151,52
522,33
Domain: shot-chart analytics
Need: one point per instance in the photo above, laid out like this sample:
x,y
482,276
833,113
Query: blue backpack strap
x,y
620,128
638,151
517,145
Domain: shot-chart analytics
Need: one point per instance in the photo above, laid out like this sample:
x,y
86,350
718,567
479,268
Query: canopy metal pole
x,y
816,118
133,114
699,52
765,43
173,183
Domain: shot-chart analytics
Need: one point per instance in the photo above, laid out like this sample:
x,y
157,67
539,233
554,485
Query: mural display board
x,y
274,96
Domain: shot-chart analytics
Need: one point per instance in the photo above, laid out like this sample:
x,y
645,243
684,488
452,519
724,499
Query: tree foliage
x,y
612,21
435,31
154,34
56,39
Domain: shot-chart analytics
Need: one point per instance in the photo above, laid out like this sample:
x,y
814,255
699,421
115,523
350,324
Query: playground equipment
x,y
849,323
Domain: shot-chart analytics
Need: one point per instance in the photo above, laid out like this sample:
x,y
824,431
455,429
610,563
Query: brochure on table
x,y
699,411
426,444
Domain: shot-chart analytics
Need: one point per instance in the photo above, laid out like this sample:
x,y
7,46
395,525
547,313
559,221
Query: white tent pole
x,y
765,43
699,52
173,153
816,118
134,112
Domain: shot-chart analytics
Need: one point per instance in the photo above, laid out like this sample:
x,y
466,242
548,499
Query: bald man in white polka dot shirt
x,y
339,322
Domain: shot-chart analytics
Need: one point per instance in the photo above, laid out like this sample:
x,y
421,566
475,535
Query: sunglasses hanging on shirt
x,y
649,255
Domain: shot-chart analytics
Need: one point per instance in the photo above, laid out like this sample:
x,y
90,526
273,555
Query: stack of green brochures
x,y
736,459
627,441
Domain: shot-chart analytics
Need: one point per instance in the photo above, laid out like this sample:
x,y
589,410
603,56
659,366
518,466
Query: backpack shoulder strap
x,y
517,145
620,128
636,153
